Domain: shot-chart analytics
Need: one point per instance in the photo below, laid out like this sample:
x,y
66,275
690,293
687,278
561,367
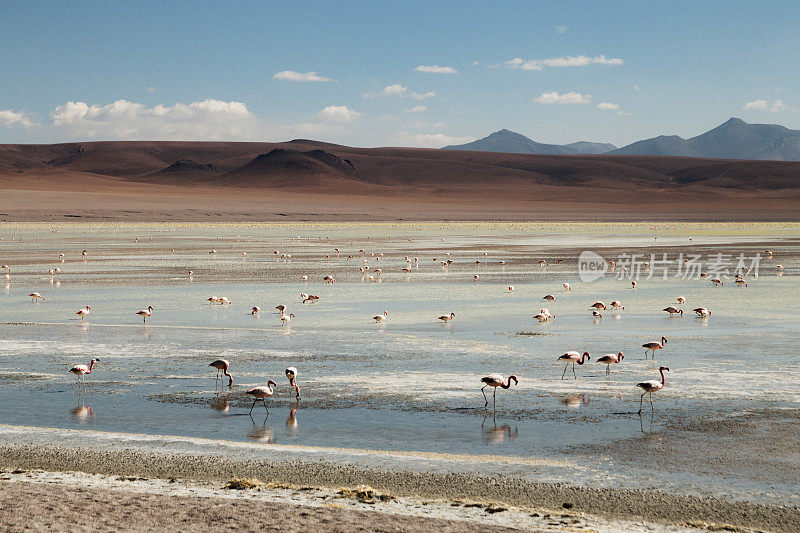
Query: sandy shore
x,y
604,504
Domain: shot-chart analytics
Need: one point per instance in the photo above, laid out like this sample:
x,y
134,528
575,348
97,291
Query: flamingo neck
x,y
506,385
230,378
582,360
663,378
91,364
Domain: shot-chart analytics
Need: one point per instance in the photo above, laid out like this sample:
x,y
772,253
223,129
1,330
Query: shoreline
x,y
609,504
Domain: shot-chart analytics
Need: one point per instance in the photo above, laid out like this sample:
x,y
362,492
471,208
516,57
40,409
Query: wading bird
x,y
573,357
255,310
672,310
280,308
653,346
702,312
610,359
549,298
287,318
144,313
649,387
291,375
36,296
447,318
380,318
222,365
262,393
616,304
83,312
82,370
495,380
599,305
681,299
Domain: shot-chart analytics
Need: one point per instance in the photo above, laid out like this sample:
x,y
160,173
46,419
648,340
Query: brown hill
x,y
384,182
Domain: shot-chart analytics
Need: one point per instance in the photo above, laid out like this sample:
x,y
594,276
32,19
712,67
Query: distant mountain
x,y
734,139
281,164
509,142
189,166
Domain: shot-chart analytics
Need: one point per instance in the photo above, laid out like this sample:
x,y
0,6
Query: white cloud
x,y
395,90
566,98
427,140
636,88
339,113
561,30
400,90
476,63
763,105
607,106
290,75
569,61
10,118
124,120
435,69
151,90
417,109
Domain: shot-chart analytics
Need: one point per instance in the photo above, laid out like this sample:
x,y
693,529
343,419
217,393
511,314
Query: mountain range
x,y
734,139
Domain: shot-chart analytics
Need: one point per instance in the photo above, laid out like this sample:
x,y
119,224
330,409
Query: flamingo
x,y
543,317
447,318
83,312
495,380
255,310
779,267
651,387
262,393
291,375
144,313
702,312
287,318
329,279
309,297
281,308
609,359
672,310
474,278
549,298
573,357
380,318
567,287
740,282
717,282
596,314
82,370
222,365
599,305
633,284
37,296
681,299
616,304
510,288
653,346
304,278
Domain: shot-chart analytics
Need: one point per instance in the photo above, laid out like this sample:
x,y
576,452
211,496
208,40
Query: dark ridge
x,y
189,165
281,162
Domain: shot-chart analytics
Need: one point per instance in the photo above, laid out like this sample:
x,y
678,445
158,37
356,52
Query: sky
x,y
375,73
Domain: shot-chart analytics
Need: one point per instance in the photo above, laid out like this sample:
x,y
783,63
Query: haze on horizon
x,y
377,74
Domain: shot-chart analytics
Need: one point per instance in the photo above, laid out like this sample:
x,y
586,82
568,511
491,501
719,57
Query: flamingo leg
x,y
573,371
254,404
652,409
608,369
494,400
486,400
265,405
641,399
565,371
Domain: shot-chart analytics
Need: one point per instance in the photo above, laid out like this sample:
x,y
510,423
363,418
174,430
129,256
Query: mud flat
x,y
458,489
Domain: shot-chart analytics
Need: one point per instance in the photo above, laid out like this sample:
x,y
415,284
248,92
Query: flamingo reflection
x,y
574,401
262,433
82,413
291,422
497,434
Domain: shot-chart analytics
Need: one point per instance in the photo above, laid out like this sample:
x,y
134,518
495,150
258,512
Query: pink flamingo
x,y
144,313
83,312
495,380
291,375
653,346
82,370
610,359
262,393
573,357
222,364
651,387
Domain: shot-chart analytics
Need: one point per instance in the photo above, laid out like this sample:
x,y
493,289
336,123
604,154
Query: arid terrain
x,y
309,180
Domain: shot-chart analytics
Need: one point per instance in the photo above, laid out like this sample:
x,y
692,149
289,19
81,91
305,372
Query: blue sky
x,y
555,71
